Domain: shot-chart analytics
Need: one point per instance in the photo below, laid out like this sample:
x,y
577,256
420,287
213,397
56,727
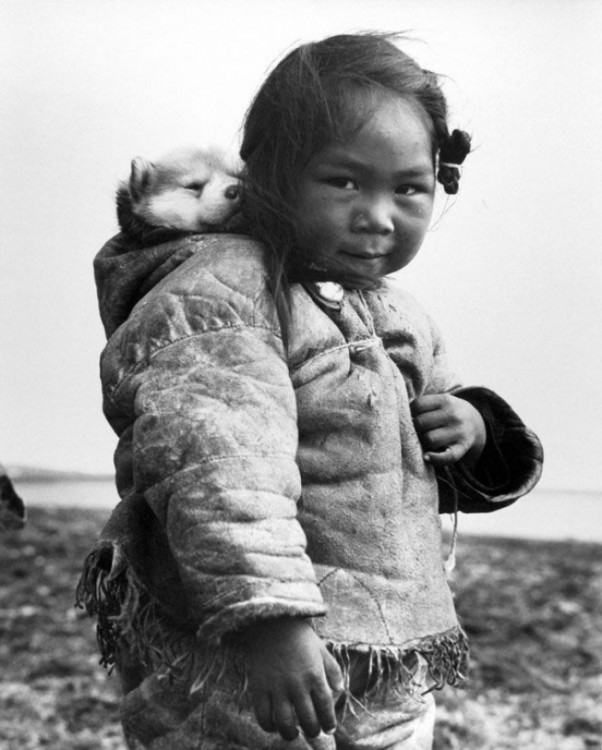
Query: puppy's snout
x,y
232,192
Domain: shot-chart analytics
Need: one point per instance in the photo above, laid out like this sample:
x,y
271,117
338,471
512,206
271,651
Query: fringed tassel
x,y
104,599
396,669
127,618
447,657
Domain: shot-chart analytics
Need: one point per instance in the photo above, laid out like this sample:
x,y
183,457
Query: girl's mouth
x,y
364,256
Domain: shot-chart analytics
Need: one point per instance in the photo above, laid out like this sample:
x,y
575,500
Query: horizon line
x,y
29,472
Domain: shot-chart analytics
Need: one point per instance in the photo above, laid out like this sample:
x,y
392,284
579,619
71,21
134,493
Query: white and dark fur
x,y
186,191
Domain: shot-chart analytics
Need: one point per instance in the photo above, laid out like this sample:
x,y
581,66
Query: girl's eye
x,y
406,190
344,183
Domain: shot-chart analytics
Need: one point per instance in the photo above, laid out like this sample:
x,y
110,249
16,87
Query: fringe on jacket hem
x,y
127,618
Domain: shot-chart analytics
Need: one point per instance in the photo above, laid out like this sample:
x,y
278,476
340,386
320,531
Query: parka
x,y
259,481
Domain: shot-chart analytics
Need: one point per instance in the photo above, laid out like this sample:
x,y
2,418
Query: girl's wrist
x,y
273,628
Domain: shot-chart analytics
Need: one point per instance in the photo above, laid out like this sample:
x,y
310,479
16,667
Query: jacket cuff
x,y
241,616
511,462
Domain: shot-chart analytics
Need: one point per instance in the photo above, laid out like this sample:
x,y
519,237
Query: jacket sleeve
x,y
510,466
213,438
511,463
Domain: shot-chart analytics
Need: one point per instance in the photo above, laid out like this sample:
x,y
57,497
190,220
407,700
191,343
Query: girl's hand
x,y
292,678
449,429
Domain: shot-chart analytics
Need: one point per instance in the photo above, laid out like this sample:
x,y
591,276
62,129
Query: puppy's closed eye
x,y
196,186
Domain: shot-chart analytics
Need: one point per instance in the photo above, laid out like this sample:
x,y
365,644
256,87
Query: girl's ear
x,y
141,177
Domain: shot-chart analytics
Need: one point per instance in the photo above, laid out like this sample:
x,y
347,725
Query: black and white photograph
x,y
301,326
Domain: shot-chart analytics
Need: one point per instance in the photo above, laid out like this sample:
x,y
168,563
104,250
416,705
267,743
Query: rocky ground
x,y
533,611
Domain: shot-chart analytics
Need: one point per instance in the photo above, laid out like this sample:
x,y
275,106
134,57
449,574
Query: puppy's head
x,y
189,189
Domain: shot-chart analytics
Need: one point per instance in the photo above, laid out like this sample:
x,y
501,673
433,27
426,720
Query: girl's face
x,y
365,202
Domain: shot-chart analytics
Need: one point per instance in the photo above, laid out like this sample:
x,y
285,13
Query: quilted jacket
x,y
258,483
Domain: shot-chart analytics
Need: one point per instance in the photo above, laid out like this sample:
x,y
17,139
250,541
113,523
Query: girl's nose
x,y
374,218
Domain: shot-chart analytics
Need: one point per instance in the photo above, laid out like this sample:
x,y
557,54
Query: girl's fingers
x,y
263,712
450,455
423,404
333,671
306,716
324,708
438,440
435,419
429,421
285,719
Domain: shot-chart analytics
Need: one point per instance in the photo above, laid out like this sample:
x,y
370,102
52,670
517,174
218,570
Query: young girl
x,y
289,430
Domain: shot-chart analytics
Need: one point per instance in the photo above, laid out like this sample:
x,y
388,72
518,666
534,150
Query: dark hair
x,y
316,95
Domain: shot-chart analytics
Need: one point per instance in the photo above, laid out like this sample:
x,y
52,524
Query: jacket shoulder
x,y
221,285
221,265
125,273
223,282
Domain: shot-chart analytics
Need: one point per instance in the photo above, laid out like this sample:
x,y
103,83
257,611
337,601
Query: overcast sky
x,y
511,270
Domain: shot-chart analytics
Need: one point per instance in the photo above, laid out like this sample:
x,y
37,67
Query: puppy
x,y
186,191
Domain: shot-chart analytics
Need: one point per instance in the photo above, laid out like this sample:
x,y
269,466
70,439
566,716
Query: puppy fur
x,y
189,190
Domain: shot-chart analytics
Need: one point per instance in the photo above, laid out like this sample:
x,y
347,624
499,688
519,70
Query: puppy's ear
x,y
141,177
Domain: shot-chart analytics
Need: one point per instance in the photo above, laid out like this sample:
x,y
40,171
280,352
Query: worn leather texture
x,y
256,483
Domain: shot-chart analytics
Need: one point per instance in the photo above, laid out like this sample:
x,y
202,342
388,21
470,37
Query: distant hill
x,y
38,474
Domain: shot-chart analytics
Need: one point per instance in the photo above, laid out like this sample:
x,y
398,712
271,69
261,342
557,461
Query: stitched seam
x,y
226,327
236,456
326,576
372,341
141,365
375,600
